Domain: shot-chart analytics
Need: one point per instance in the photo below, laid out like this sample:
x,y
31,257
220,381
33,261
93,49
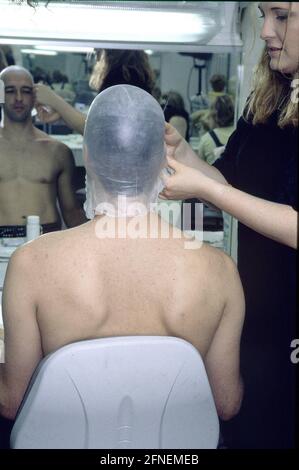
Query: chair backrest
x,y
119,393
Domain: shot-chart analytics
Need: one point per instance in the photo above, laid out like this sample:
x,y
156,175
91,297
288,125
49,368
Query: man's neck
x,y
17,131
149,225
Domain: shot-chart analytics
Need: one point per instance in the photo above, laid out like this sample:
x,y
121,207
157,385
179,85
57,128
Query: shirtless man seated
x,y
35,169
97,282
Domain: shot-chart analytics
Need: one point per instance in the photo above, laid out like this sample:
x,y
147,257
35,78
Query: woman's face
x,y
281,34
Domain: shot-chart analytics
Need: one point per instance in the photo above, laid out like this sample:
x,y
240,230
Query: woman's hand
x,y
46,115
59,108
45,104
185,182
45,95
177,148
176,145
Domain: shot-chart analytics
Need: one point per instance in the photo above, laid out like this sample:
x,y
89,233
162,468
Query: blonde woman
x,y
256,181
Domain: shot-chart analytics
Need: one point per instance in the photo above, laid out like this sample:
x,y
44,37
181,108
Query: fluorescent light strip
x,y
82,50
37,52
75,22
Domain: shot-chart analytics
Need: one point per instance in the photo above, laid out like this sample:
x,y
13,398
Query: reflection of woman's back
x,y
175,112
222,114
117,67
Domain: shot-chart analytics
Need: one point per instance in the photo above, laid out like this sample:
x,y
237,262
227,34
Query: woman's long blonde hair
x,y
271,92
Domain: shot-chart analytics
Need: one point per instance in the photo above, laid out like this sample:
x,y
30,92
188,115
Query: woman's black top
x,y
262,161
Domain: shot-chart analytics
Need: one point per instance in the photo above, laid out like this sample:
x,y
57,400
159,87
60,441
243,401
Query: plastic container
x,y
32,227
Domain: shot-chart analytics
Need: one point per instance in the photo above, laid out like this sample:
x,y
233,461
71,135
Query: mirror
x,y
187,73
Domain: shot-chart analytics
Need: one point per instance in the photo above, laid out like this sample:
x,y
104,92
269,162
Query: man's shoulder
x,y
54,144
214,259
29,260
224,261
49,240
22,260
36,253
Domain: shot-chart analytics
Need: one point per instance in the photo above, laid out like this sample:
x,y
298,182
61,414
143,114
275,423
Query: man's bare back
x,y
115,287
80,287
28,176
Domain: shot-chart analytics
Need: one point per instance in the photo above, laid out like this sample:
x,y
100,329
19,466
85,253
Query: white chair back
x,y
119,393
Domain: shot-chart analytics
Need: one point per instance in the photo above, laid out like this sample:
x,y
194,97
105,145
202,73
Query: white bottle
x,y
32,227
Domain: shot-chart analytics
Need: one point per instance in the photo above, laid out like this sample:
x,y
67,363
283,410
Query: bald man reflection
x,y
35,169
100,283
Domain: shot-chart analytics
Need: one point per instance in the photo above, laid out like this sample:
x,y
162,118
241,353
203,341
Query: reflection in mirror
x,y
187,86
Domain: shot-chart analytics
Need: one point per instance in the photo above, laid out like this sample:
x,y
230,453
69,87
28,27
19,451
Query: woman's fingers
x,y
164,178
45,115
167,128
171,135
174,164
